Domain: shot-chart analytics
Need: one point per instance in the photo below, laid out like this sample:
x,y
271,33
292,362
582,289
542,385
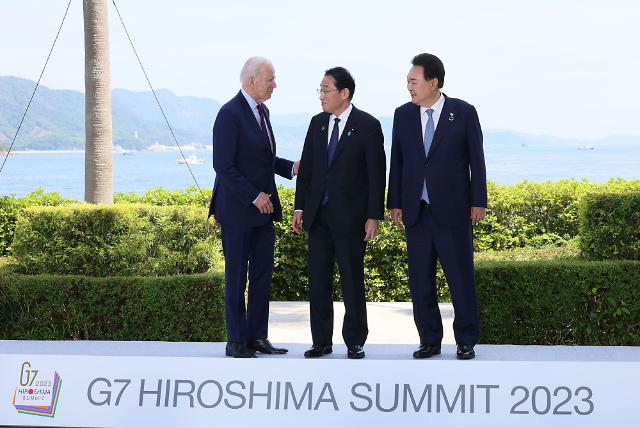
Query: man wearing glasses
x,y
340,193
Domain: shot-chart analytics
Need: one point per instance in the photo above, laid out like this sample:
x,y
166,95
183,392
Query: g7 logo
x,y
27,376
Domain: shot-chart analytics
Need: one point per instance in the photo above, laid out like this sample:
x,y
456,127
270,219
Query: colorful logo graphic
x,y
37,395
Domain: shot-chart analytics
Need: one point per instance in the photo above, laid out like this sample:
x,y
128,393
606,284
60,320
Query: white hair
x,y
251,68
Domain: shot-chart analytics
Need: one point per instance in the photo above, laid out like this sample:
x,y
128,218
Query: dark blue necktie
x,y
333,142
263,126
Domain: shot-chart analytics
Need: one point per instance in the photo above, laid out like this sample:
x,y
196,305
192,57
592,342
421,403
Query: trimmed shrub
x,y
174,308
610,226
561,302
120,240
537,214
159,196
10,206
525,214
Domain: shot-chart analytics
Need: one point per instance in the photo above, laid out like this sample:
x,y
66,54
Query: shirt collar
x,y
343,116
437,107
252,103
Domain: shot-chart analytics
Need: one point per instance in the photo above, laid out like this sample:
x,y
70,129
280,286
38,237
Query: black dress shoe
x,y
426,351
318,351
465,352
265,347
355,352
238,350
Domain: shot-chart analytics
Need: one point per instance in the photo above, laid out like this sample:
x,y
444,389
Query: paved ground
x,y
389,323
9,348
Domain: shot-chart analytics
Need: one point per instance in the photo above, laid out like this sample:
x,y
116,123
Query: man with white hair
x,y
245,203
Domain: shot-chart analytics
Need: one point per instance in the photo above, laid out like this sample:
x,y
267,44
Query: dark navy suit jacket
x,y
454,168
244,165
355,179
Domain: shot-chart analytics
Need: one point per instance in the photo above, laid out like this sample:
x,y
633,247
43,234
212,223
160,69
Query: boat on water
x,y
119,150
157,147
191,160
586,147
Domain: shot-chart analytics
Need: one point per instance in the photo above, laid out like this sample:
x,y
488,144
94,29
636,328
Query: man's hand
x,y
370,229
263,203
296,223
296,167
396,216
477,214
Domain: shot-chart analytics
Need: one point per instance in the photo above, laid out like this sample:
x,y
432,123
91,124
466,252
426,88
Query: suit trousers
x,y
247,249
453,245
324,248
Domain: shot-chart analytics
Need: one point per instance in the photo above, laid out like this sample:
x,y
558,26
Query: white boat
x,y
586,147
191,160
117,149
157,147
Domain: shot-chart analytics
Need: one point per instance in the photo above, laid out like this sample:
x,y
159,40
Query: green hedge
x,y
520,215
610,226
174,308
10,206
120,240
559,302
542,302
159,196
538,214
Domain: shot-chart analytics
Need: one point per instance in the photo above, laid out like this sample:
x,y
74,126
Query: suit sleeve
x,y
225,147
476,161
305,170
394,195
284,168
376,170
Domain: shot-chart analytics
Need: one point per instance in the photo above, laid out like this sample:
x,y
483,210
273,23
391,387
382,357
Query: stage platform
x,y
158,384
393,352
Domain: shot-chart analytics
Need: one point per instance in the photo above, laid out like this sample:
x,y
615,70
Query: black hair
x,y
432,66
343,79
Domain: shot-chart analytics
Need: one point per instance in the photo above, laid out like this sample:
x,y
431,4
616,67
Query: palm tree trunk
x,y
98,163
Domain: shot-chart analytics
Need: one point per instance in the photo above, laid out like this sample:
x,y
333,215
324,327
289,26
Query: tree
x,y
98,181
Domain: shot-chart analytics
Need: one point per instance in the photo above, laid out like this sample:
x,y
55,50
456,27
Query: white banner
x,y
137,391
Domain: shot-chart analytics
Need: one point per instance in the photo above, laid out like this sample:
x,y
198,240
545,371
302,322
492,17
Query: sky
x,y
566,68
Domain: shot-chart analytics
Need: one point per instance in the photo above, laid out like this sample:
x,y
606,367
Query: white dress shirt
x,y
341,125
437,110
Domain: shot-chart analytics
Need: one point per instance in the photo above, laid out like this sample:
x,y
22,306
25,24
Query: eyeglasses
x,y
324,92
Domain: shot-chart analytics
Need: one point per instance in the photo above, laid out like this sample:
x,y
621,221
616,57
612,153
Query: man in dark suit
x,y
437,188
245,203
340,190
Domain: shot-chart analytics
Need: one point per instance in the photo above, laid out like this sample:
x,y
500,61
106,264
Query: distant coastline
x,y
45,152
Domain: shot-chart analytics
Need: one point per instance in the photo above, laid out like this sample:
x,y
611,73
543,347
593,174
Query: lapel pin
x,y
349,133
451,117
322,128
